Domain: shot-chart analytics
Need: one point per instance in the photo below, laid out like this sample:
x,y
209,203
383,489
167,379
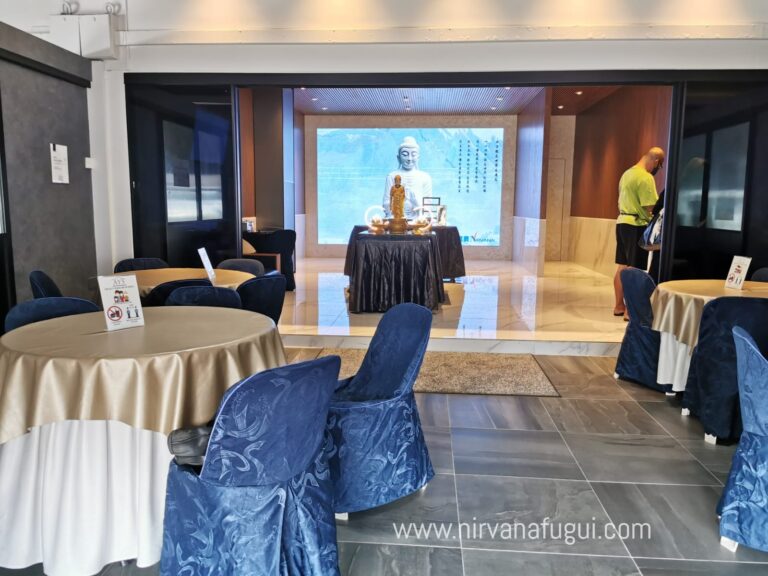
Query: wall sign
x,y
59,164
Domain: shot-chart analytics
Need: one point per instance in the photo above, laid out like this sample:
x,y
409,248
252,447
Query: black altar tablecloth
x,y
391,269
449,243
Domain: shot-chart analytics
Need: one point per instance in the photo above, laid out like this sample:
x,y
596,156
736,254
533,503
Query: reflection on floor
x,y
527,485
497,302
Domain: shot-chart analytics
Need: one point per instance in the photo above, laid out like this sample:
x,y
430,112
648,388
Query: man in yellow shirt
x,y
637,195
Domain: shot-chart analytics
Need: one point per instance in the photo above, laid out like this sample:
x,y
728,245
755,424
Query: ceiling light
x,y
579,92
493,107
303,88
407,107
560,107
507,87
325,107
499,98
314,99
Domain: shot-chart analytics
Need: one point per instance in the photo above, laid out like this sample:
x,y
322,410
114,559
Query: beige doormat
x,y
455,372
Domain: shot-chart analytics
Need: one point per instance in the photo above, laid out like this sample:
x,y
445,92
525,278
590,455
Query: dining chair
x,y
712,390
760,275
204,296
638,358
243,265
131,264
264,295
43,285
380,454
46,308
280,242
262,503
159,294
742,508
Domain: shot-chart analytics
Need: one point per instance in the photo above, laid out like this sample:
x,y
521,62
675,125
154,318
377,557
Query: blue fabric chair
x,y
743,507
131,264
243,265
760,275
204,296
262,503
45,309
712,390
264,295
639,354
381,454
43,285
160,293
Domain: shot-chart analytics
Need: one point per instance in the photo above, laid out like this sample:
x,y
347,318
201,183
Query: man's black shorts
x,y
628,251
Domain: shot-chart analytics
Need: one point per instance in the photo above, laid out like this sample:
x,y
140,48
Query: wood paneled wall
x,y
612,136
531,156
247,166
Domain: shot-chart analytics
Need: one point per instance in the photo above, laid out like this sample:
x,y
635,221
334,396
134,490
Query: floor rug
x,y
455,372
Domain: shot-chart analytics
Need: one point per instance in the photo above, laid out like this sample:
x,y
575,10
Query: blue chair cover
x,y
160,293
262,503
712,389
381,454
743,507
639,354
131,264
243,265
264,295
45,309
204,296
760,275
43,285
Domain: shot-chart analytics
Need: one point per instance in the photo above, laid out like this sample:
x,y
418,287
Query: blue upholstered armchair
x,y
159,294
381,454
638,358
743,507
265,295
712,389
46,308
43,285
262,503
133,264
214,296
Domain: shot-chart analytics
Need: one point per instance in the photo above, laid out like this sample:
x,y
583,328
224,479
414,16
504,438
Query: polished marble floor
x,y
604,453
498,306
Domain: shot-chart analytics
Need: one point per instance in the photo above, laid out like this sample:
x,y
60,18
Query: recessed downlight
x,y
579,92
494,108
314,99
560,107
499,98
325,108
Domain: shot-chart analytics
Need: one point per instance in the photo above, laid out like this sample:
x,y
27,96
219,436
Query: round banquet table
x,y
148,279
84,415
677,309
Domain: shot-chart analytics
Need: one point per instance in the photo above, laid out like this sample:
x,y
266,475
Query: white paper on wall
x,y
59,164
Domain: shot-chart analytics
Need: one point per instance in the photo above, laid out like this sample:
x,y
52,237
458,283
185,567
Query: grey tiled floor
x,y
605,452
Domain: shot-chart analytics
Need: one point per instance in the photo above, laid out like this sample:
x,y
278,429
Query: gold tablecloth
x,y
170,373
148,279
678,305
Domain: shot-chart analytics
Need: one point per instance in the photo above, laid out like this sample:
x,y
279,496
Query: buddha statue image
x,y
397,199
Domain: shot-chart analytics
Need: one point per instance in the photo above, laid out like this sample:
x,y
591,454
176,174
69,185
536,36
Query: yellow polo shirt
x,y
637,188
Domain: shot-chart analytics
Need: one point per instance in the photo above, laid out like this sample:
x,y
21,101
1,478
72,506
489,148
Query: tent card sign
x,y
207,265
738,272
120,299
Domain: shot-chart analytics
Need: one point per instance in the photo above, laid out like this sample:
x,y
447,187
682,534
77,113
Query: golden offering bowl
x,y
399,226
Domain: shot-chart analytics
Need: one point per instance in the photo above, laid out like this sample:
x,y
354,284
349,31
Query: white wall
x,y
311,36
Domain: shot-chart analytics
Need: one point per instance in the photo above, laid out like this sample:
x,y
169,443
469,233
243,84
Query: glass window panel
x,y
180,184
691,180
211,152
727,175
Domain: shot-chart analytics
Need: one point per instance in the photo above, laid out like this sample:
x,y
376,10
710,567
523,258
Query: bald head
x,y
653,160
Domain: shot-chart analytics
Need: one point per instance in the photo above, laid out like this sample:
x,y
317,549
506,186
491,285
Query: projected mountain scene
x,y
465,166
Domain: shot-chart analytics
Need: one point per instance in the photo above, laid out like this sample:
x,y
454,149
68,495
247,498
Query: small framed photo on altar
x,y
738,272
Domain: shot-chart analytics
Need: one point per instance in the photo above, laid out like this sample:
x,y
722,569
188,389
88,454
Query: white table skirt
x,y
674,362
77,495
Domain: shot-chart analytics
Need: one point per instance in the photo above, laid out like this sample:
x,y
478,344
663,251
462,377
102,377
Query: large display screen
x,y
461,166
